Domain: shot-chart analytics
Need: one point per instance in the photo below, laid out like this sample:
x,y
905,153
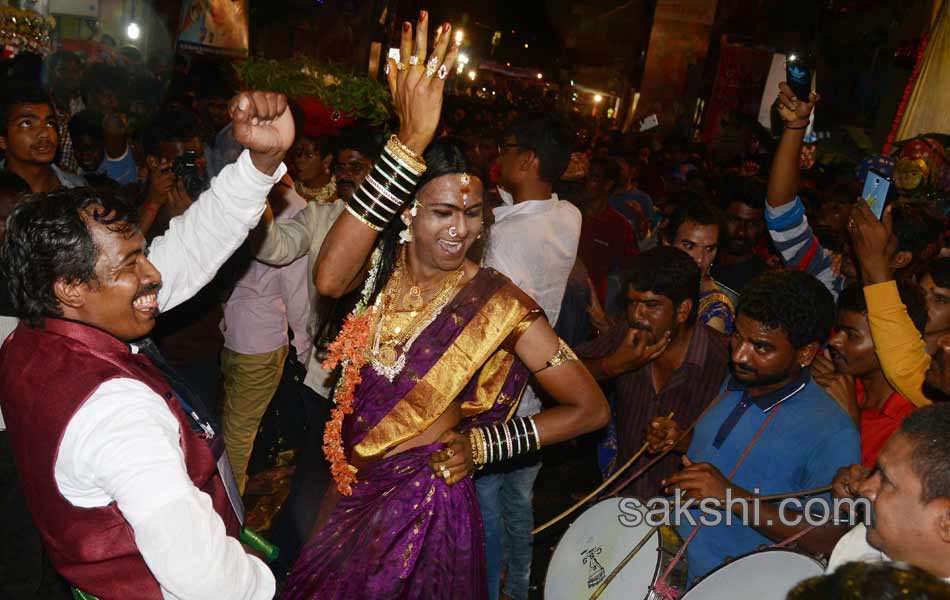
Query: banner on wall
x,y
740,76
216,26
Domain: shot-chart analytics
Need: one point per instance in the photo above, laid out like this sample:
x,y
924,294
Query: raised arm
x,y
198,242
783,180
899,347
785,214
417,96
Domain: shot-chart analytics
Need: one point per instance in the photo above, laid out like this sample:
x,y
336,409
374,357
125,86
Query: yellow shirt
x,y
898,344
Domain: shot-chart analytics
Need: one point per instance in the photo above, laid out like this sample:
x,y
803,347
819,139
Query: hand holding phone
x,y
800,75
877,190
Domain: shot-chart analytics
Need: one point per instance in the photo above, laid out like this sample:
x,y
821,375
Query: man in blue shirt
x,y
796,435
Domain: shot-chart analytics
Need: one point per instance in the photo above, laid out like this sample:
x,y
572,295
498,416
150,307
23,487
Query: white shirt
x,y
534,244
122,445
854,547
286,241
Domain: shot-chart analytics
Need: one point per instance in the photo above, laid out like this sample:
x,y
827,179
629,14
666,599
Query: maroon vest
x,y
45,376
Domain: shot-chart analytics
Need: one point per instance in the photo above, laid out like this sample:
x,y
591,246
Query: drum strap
x,y
662,587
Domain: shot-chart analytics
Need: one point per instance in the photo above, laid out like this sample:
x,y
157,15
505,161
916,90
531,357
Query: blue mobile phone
x,y
876,189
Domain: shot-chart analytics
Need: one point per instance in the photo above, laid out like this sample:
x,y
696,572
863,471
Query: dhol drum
x,y
597,542
763,575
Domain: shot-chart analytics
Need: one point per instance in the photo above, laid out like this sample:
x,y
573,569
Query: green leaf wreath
x,y
354,95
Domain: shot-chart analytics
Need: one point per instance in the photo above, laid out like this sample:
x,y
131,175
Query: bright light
x,y
526,46
484,89
459,36
463,59
572,82
792,58
598,98
540,76
471,75
132,31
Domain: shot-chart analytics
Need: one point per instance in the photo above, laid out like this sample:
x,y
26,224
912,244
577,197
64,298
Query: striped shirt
x,y
799,246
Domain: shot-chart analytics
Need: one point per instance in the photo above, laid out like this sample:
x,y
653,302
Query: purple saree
x,y
404,533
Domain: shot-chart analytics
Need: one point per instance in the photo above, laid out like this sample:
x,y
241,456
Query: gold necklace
x,y
393,332
413,299
319,195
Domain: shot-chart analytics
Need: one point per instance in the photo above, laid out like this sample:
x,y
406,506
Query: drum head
x,y
590,549
765,575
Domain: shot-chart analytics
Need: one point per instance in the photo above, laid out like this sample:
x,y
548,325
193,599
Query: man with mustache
x,y
29,138
661,360
852,375
909,490
123,476
286,240
772,420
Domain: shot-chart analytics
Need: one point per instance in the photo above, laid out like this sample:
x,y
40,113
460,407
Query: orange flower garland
x,y
349,348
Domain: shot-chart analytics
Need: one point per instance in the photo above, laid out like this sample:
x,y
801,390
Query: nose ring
x,y
453,232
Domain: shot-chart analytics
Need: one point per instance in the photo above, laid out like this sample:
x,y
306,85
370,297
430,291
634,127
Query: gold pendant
x,y
413,300
387,356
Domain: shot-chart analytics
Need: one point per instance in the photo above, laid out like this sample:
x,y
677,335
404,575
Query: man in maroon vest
x,y
126,495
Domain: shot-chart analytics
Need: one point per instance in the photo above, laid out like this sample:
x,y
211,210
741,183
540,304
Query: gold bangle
x,y
363,219
405,154
480,441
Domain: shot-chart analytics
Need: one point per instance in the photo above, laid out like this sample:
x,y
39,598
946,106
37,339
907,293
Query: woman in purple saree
x,y
439,354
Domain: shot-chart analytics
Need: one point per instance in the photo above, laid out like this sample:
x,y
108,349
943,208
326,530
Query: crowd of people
x,y
445,299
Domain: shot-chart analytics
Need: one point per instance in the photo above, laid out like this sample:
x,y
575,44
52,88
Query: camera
x,y
185,168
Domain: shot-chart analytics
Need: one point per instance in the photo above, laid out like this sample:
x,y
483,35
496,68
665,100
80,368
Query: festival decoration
x,y
24,31
908,89
347,95
920,161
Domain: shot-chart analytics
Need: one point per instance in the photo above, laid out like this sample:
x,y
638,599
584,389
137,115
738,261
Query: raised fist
x,y
262,123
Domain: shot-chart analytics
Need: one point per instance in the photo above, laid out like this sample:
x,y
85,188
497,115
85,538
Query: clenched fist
x,y
262,123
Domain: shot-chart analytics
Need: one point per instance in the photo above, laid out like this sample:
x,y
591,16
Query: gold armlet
x,y
563,355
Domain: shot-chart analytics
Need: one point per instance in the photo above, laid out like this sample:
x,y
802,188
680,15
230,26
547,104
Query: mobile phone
x,y
799,75
651,122
877,189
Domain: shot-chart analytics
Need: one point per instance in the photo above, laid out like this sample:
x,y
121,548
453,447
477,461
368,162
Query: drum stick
x,y
603,586
773,497
599,488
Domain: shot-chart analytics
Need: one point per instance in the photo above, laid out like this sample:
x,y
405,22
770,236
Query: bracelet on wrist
x,y
383,193
503,441
405,155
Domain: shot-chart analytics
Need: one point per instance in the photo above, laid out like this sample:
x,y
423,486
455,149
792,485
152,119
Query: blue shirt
x,y
122,170
619,201
803,447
